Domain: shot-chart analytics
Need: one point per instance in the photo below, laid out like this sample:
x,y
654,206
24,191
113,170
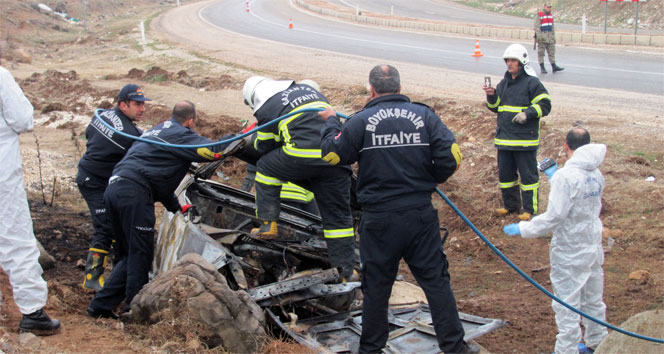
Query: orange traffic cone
x,y
290,23
477,53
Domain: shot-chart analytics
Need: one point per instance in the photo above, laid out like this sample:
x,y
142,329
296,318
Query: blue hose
x,y
220,142
533,282
447,200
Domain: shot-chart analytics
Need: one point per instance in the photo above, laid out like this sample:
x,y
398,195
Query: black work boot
x,y
543,69
101,313
39,324
556,68
94,269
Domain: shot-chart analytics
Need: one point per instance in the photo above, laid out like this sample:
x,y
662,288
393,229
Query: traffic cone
x,y
247,6
290,23
477,53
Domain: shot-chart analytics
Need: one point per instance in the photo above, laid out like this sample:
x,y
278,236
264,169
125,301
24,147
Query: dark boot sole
x,y
40,332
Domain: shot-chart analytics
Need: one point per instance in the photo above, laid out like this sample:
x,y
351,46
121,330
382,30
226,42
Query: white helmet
x,y
258,89
518,52
250,88
313,84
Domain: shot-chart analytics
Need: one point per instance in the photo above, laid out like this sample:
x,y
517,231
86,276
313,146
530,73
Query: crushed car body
x,y
290,277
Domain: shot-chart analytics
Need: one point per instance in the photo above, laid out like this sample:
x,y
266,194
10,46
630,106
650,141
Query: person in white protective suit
x,y
18,247
576,250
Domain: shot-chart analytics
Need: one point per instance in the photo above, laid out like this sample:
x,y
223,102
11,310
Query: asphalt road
x,y
590,67
445,10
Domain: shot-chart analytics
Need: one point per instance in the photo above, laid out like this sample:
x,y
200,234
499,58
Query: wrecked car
x,y
290,277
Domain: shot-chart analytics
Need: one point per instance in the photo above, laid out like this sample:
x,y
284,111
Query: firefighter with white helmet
x,y
291,152
520,100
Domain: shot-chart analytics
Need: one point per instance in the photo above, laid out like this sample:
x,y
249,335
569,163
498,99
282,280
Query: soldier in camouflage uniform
x,y
546,38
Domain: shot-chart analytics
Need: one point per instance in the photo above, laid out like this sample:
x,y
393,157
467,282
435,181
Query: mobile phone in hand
x,y
487,81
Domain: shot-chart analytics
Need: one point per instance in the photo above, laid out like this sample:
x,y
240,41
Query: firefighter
x,y
104,149
148,173
290,151
545,36
521,101
404,150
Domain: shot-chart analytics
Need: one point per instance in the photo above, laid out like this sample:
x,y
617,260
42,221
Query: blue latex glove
x,y
551,170
512,230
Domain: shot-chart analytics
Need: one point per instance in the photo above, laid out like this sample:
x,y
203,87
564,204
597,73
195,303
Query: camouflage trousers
x,y
546,43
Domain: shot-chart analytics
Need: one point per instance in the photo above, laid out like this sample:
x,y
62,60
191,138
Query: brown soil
x,y
68,72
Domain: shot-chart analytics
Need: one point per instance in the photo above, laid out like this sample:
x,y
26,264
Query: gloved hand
x,y
512,230
520,118
185,207
249,127
551,170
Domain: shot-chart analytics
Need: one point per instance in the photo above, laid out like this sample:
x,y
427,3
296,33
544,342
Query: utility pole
x,y
85,19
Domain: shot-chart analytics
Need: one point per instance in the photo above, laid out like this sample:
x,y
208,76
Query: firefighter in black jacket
x,y
404,150
147,174
521,101
291,152
104,149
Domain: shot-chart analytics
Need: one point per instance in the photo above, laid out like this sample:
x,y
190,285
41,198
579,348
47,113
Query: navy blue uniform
x,y
104,149
517,143
147,174
292,153
404,150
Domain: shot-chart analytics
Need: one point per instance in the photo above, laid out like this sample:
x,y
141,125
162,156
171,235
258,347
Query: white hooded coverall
x,y
18,247
576,250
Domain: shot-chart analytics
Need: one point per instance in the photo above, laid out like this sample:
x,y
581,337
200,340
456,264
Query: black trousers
x,y
331,188
131,211
414,235
92,189
525,162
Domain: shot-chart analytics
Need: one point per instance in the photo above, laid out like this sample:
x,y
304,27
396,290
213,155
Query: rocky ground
x,y
67,71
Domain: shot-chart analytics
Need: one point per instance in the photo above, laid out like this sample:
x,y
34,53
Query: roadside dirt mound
x,y
157,74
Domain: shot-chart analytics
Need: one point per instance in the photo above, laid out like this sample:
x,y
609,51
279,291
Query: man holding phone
x,y
520,100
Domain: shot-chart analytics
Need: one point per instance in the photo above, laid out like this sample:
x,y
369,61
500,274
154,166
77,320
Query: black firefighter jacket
x,y
403,149
159,168
525,93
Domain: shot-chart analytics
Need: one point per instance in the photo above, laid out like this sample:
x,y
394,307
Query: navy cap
x,y
132,92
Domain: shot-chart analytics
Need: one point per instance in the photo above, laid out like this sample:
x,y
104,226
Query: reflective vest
x,y
546,21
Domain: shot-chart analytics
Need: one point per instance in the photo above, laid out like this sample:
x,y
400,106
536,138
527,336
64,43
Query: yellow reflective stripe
x,y
511,109
98,250
290,186
338,233
541,97
308,153
283,128
509,184
535,188
267,136
293,191
271,181
529,187
504,142
493,105
316,104
538,109
292,196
